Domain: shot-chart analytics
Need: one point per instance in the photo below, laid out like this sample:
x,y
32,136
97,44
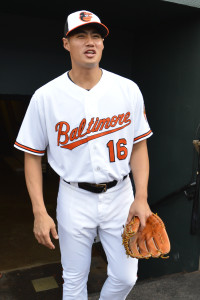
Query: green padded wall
x,y
166,66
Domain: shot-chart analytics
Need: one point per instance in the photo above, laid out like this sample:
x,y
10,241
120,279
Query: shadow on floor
x,y
45,282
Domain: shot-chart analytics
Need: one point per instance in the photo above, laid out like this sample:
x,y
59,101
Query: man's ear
x,y
66,44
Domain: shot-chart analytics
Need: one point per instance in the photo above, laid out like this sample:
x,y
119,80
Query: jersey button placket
x,y
91,112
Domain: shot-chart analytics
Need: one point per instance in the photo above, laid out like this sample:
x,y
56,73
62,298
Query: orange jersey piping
x,y
29,149
143,135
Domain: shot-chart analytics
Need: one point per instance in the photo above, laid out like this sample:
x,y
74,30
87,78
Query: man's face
x,y
85,45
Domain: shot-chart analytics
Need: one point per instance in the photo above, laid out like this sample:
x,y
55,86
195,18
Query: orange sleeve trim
x,y
29,149
142,136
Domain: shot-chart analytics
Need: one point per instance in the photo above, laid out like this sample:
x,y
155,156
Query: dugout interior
x,y
155,44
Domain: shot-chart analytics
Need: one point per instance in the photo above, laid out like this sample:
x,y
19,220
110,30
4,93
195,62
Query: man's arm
x,y
43,223
140,168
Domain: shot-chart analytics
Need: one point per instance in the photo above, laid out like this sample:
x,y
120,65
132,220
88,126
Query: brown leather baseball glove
x,y
152,241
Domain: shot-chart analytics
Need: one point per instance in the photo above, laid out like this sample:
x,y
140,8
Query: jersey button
x,y
98,168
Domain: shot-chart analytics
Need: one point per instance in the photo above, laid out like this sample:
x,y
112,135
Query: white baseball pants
x,y
80,214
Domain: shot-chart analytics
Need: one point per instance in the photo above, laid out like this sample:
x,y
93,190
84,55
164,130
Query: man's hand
x,y
43,225
141,209
140,168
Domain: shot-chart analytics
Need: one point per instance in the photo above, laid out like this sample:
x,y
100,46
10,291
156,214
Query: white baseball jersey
x,y
88,135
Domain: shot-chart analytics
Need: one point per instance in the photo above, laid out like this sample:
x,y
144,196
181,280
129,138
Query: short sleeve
x,y
141,130
32,136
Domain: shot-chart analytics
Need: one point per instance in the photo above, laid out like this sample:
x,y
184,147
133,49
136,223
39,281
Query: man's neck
x,y
86,78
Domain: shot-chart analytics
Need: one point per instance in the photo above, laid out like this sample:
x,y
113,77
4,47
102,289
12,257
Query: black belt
x,y
97,187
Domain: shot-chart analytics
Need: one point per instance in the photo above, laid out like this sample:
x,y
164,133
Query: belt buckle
x,y
104,185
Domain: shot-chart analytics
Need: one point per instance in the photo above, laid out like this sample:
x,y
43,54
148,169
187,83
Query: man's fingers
x,y
143,220
130,216
43,225
40,239
45,240
54,233
49,244
142,223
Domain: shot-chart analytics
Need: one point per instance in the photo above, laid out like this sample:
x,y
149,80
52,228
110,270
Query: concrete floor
x,y
181,286
45,283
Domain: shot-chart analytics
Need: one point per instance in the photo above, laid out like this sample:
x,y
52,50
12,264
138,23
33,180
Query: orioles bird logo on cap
x,y
85,16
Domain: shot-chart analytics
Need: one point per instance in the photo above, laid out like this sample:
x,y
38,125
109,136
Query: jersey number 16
x,y
121,150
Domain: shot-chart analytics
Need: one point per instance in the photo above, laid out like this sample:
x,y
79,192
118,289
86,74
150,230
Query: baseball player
x,y
93,125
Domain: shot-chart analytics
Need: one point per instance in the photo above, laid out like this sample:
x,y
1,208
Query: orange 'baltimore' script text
x,y
76,135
